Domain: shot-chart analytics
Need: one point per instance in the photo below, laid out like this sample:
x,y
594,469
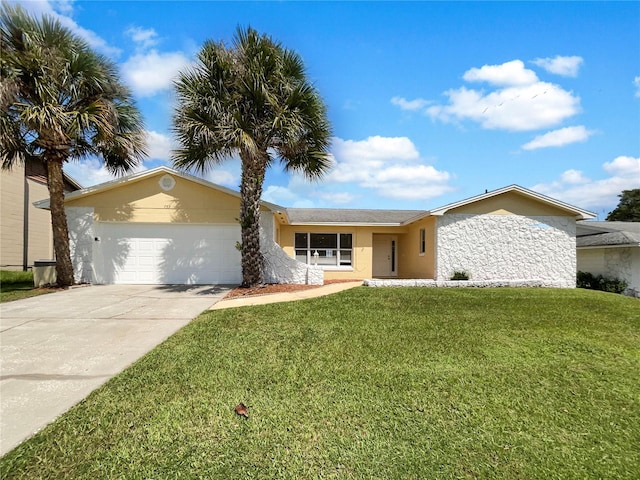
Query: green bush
x,y
460,275
598,282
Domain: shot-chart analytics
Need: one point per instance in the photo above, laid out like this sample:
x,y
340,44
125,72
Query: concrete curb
x,y
285,297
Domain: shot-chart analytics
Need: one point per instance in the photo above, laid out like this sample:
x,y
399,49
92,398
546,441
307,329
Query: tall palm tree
x,y
60,102
252,100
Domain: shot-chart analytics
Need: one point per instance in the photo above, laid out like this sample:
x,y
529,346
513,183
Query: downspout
x,y
25,224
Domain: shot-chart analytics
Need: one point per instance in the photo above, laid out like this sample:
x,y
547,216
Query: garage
x,y
159,254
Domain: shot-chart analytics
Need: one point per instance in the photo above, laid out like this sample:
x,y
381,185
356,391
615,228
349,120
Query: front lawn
x,y
370,383
15,285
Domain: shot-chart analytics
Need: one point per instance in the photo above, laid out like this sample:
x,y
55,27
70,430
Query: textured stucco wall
x,y
619,263
507,247
280,267
80,222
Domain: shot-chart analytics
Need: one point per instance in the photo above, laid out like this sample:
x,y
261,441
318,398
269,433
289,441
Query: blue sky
x,y
430,102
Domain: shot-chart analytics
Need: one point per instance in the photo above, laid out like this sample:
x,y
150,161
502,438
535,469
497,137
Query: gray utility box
x,y
44,272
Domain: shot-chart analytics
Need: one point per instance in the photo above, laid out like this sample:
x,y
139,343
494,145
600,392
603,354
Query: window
x,y
423,241
325,249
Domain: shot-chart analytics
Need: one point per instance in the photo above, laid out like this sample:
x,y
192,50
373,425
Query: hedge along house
x,y
161,226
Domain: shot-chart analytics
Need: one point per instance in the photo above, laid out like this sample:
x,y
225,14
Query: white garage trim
x,y
157,254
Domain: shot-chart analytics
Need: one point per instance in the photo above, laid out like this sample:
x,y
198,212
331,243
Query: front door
x,y
385,255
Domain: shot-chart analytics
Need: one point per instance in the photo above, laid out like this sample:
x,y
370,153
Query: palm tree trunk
x,y
64,268
253,171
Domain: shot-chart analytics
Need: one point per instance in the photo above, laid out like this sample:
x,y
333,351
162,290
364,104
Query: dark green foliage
x,y
598,282
460,275
628,209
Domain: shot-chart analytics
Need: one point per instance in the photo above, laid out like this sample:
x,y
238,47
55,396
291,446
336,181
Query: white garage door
x,y
166,254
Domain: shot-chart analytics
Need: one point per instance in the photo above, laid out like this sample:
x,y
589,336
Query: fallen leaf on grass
x,y
242,409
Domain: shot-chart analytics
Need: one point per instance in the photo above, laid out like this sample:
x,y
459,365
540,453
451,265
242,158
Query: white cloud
x,y
565,66
636,83
338,198
159,146
152,72
522,102
223,177
573,177
91,171
286,196
391,166
574,188
415,104
61,11
559,138
507,74
144,37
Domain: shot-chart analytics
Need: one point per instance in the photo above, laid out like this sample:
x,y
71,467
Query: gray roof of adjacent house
x,y
350,216
607,234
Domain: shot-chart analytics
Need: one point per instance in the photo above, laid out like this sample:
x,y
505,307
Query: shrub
x,y
460,275
598,282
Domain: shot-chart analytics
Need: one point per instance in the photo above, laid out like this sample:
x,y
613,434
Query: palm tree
x,y
252,100
60,102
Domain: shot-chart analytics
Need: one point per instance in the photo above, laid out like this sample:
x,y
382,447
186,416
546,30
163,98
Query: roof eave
x,y
111,184
578,213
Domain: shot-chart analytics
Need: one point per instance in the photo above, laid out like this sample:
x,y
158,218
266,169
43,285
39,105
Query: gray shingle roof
x,y
596,234
350,216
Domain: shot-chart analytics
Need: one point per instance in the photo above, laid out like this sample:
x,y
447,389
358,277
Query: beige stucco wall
x,y
413,264
362,247
510,203
145,201
12,204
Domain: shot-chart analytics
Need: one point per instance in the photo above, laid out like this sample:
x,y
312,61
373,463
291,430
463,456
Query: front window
x,y
324,249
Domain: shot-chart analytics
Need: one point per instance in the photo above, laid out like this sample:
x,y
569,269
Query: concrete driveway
x,y
57,348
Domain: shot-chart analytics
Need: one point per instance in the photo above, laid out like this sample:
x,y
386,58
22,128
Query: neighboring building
x,y
162,226
25,231
611,249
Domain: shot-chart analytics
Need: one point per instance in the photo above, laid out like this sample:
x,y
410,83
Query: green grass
x,y
370,383
15,285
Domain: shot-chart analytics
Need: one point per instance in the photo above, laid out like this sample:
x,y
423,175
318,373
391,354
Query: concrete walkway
x,y
285,297
55,349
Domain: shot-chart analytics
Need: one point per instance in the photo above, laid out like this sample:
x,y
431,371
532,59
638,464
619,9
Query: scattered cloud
x,y
575,188
61,11
517,101
159,146
573,177
415,104
91,171
391,166
338,198
286,196
559,138
223,177
636,83
144,37
153,72
507,74
559,65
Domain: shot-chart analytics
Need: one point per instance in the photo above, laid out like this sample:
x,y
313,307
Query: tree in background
x,y
60,102
252,100
628,209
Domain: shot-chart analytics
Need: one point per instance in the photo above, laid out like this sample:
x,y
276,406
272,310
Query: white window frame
x,y
337,252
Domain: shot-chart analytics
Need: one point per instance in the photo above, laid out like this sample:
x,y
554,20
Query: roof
x,y
338,216
136,177
608,234
579,213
